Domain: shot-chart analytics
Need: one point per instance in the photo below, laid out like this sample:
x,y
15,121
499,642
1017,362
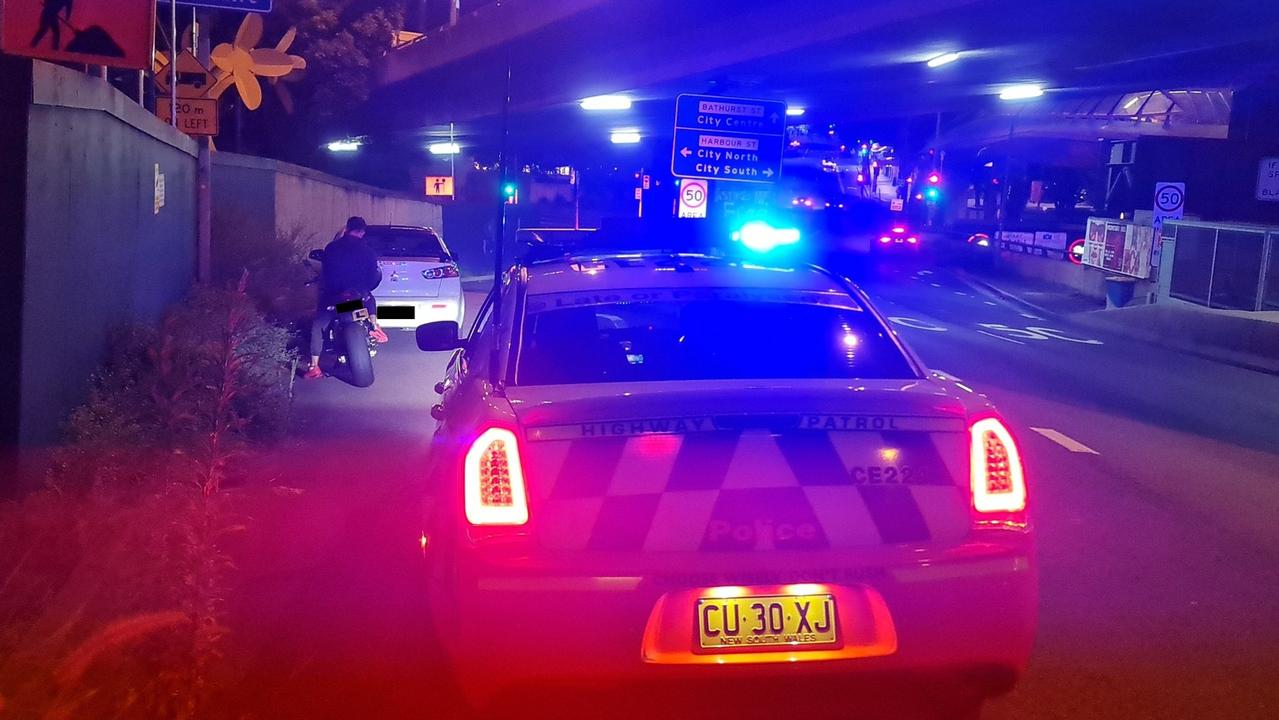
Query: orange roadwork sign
x,y
196,116
439,186
93,32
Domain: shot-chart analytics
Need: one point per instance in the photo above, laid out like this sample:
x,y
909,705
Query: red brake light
x,y
885,239
494,480
998,482
912,239
899,229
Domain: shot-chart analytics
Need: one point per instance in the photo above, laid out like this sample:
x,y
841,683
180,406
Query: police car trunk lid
x,y
701,466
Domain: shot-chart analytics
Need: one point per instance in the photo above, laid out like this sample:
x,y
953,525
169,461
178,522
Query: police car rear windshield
x,y
724,336
406,243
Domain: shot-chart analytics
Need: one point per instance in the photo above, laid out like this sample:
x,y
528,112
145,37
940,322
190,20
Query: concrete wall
x,y
1088,281
252,194
97,253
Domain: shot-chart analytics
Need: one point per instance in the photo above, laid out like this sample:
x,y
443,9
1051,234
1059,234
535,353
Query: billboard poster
x,y
117,33
1119,247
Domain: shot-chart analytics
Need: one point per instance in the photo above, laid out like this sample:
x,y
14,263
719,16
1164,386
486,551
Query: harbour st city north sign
x,y
721,138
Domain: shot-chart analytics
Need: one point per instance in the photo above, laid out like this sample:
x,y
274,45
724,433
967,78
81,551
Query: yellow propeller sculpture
x,y
242,63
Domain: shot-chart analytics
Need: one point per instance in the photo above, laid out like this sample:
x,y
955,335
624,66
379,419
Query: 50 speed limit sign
x,y
693,195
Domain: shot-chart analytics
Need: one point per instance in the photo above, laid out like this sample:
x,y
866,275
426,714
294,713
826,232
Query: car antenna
x,y
500,231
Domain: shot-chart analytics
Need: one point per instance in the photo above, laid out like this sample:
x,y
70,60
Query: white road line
x,y
992,304
1001,337
1032,317
1069,443
935,284
961,292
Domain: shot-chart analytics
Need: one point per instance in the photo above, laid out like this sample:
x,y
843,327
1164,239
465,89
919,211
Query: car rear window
x,y
406,242
717,335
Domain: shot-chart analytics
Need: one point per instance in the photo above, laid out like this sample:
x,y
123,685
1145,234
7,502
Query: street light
x,y
943,59
1026,91
606,102
444,148
342,146
625,137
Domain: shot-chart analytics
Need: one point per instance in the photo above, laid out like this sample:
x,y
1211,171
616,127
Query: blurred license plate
x,y
766,621
396,312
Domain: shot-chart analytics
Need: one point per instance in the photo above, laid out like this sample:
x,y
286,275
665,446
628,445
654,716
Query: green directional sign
x,y
724,138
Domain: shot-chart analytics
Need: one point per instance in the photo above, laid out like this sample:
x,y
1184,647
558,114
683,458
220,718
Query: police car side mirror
x,y
316,255
439,336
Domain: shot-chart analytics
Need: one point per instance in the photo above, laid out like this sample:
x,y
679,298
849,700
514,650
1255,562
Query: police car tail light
x,y
998,482
494,480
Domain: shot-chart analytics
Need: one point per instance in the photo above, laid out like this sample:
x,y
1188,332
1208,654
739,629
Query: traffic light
x,y
934,178
932,194
511,192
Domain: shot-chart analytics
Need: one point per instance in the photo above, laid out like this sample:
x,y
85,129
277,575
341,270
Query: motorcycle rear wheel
x,y
355,342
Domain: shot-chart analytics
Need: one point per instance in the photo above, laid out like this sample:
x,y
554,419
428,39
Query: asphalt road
x,y
1155,488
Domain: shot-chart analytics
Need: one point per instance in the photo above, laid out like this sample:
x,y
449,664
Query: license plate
x,y
745,623
349,306
396,312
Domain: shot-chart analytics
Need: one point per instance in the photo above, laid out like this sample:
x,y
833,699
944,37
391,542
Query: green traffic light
x,y
508,189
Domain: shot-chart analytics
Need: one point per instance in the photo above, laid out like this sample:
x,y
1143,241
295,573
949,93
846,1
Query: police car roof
x,y
653,269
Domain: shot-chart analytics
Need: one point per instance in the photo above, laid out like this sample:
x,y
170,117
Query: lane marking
x,y
916,324
992,304
961,292
1001,337
1032,317
1065,441
935,284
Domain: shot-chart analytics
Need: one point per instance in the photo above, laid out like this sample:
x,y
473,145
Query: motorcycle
x,y
348,337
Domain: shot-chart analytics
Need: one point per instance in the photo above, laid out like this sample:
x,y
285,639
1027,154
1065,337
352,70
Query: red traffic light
x,y
934,178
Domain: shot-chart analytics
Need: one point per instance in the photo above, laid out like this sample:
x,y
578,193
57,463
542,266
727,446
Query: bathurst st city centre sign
x,y
724,138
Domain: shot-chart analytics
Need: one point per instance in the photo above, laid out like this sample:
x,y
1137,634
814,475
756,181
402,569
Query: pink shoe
x,y
379,335
313,373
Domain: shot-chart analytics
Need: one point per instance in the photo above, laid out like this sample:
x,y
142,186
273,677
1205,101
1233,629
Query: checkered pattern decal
x,y
748,490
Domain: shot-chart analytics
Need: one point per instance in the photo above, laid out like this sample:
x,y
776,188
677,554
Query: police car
x,y
662,463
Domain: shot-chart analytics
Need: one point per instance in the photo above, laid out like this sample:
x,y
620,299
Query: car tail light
x,y
885,239
898,229
494,480
912,240
439,273
998,482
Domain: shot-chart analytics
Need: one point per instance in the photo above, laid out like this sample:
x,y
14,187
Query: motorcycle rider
x,y
349,269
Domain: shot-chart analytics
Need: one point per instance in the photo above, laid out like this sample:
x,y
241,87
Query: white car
x,y
421,281
693,466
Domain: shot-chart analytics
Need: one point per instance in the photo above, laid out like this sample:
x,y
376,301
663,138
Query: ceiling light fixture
x,y
943,59
606,102
1021,92
625,137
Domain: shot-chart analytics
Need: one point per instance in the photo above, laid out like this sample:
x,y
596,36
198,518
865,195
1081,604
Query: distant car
x,y
699,466
898,237
421,281
980,242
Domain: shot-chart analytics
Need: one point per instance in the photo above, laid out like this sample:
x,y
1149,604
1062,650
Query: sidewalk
x,y
1244,342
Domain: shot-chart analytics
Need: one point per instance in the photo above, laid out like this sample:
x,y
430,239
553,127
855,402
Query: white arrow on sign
x,y
768,172
685,152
